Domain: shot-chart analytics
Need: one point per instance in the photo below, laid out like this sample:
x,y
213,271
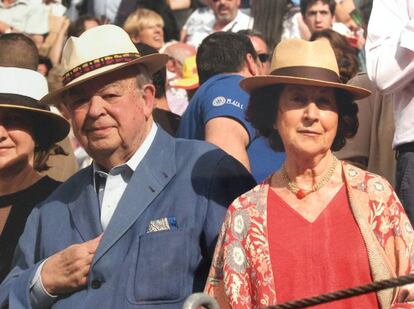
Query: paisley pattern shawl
x,y
241,273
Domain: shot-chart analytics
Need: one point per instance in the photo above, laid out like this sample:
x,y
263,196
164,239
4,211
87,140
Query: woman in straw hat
x,y
318,224
28,132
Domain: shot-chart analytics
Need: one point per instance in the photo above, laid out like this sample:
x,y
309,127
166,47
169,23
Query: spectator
x,y
216,112
145,26
261,48
223,16
390,63
177,52
116,219
320,14
28,133
17,50
316,225
189,76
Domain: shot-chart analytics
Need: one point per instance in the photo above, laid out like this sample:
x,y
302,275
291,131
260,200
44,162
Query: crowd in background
x,y
201,93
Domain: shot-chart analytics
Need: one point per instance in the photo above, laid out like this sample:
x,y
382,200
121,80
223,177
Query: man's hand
x,y
67,270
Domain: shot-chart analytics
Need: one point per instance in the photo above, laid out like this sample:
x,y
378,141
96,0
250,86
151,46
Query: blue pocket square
x,y
163,224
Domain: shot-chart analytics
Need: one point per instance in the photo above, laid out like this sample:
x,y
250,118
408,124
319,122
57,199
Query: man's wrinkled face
x,y
110,115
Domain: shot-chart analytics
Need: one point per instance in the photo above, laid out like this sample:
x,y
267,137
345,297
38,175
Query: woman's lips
x,y
309,132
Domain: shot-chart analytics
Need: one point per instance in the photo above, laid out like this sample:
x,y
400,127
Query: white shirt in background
x,y
201,22
390,60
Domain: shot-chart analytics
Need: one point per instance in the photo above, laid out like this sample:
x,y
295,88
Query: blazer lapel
x,y
151,176
85,209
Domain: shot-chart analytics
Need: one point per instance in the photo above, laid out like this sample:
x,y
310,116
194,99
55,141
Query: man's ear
x,y
149,99
251,64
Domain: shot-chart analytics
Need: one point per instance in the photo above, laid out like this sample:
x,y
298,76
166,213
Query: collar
x,y
230,25
133,162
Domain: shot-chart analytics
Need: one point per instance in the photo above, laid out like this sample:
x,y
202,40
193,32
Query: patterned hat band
x,y
95,64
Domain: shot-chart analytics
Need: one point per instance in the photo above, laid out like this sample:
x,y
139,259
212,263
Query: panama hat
x,y
21,90
97,51
190,76
302,62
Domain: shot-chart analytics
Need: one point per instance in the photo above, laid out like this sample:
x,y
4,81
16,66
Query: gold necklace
x,y
301,193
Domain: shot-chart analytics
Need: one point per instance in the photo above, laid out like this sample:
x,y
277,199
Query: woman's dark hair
x,y
44,147
263,107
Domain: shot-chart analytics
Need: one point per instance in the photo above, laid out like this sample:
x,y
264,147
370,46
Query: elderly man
x,y
138,227
223,15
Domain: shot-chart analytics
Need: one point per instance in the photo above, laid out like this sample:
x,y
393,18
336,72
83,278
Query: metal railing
x,y
200,299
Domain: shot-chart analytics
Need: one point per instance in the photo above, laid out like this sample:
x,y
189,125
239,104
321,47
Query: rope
x,y
341,294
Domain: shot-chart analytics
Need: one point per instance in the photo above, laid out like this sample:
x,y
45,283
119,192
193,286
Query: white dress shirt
x,y
201,22
390,60
118,177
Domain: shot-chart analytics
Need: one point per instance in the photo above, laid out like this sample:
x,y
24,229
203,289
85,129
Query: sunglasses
x,y
263,57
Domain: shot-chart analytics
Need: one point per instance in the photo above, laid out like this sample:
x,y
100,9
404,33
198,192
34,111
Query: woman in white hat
x,y
28,132
318,224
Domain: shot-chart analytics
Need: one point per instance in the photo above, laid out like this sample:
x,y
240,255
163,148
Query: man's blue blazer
x,y
189,182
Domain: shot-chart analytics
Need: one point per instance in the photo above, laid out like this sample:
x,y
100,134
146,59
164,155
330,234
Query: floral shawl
x,y
241,273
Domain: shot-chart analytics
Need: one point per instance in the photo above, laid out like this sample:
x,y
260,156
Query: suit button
x,y
96,284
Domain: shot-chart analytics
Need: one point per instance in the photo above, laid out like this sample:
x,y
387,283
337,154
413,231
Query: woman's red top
x,y
326,255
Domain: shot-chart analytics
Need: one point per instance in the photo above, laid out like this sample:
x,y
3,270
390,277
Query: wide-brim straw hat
x,y
21,90
98,51
300,62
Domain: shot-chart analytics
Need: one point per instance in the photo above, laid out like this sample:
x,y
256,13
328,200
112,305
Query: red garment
x,y
309,259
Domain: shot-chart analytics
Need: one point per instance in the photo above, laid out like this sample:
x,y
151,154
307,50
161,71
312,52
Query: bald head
x,y
180,51
18,50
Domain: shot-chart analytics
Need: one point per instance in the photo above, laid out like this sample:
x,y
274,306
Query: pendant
x,y
301,194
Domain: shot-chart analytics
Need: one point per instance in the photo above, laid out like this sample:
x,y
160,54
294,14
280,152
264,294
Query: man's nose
x,y
96,106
